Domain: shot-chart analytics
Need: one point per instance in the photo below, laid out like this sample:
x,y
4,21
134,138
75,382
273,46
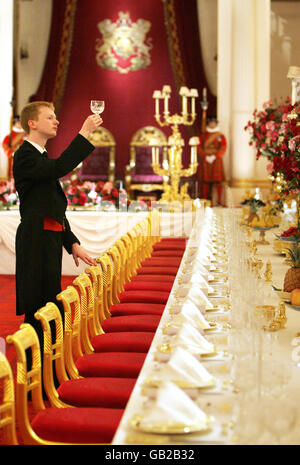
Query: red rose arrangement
x,y
86,193
8,194
291,232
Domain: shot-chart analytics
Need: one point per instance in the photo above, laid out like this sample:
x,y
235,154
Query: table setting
x,y
221,360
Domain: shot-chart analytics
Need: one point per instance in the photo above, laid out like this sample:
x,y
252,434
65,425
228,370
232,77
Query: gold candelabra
x,y
172,168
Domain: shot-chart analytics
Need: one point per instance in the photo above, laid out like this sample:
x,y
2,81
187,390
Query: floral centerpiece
x,y
90,194
8,194
254,205
275,133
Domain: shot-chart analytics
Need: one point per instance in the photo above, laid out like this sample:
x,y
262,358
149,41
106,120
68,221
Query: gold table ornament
x,y
268,272
172,168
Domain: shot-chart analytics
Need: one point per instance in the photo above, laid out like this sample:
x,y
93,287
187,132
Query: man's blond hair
x,y
31,111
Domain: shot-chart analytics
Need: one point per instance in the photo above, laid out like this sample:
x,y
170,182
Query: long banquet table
x,y
96,230
245,409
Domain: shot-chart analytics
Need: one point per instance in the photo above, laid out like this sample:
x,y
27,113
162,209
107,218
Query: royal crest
x,y
123,46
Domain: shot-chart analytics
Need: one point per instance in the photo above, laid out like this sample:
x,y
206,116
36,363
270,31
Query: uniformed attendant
x,y
211,150
44,229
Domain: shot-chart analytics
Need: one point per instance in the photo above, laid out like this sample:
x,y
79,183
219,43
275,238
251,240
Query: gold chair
x,y
105,392
87,305
7,404
131,268
53,352
139,172
95,276
100,165
116,260
105,264
52,425
72,331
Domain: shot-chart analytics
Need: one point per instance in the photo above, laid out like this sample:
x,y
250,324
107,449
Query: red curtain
x,y
72,76
59,48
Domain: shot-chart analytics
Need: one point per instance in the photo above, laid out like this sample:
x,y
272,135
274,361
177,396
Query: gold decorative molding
x,y
248,183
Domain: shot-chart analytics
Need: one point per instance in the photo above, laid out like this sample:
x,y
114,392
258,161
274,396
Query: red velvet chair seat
x,y
135,323
167,253
110,365
169,270
162,261
142,296
153,277
171,245
77,425
148,286
132,308
123,342
97,392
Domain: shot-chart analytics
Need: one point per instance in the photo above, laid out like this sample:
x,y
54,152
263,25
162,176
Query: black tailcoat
x,y
39,252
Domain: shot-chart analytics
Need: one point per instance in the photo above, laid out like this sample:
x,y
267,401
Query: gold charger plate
x,y
170,428
168,349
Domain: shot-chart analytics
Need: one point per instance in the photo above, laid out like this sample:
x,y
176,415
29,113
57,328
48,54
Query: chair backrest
x,y
72,331
53,351
100,165
7,404
26,339
87,306
106,268
131,269
124,271
154,226
116,259
95,276
141,149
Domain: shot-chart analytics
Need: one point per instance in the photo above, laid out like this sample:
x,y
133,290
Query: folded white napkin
x,y
198,297
202,281
172,407
202,263
189,313
186,370
189,338
195,268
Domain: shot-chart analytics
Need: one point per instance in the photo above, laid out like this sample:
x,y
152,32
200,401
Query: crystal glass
x,y
97,106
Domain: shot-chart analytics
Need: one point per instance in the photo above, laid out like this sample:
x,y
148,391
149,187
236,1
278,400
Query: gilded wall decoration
x,y
123,46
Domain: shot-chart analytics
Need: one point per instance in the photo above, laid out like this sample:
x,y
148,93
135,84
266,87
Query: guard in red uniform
x,y
12,142
211,150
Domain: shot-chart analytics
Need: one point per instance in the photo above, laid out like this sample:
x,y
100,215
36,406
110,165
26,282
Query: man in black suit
x,y
44,229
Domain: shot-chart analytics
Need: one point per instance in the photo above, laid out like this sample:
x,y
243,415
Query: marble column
x,y
243,80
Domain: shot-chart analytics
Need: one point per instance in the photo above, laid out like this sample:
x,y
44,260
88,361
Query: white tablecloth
x,y
224,396
97,231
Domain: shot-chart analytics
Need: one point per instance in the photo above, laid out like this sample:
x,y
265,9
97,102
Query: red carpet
x,y
10,322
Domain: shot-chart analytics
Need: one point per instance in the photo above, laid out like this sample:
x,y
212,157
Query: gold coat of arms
x,y
123,46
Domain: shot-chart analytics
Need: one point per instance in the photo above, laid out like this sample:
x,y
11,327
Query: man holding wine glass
x,y
44,229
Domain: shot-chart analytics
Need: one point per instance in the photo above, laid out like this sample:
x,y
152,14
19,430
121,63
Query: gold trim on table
x,y
171,428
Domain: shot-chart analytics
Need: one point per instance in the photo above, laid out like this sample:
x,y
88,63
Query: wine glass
x,y
97,106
